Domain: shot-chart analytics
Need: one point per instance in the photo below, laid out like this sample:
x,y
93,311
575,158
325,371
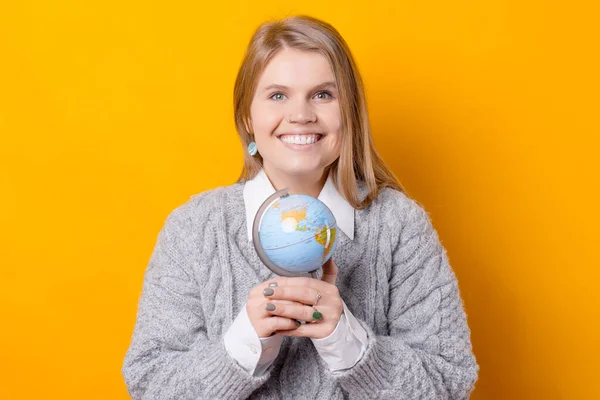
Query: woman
x,y
213,322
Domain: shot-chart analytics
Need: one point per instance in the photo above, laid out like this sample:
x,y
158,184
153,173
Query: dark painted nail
x,y
298,322
273,284
270,307
268,292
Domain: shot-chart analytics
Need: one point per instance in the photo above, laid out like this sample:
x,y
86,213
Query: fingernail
x,y
273,284
270,307
268,292
298,323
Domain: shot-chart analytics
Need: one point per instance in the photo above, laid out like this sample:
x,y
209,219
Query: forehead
x,y
296,69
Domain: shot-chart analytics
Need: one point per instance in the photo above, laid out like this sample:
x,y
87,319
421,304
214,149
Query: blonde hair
x,y
358,158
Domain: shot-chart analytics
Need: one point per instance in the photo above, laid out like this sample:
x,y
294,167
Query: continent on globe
x,y
296,233
326,240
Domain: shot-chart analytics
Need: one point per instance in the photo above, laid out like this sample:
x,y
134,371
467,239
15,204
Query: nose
x,y
302,113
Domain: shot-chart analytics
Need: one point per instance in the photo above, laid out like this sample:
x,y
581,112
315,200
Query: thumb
x,y
330,271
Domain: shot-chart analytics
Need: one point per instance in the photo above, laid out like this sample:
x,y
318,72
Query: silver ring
x,y
318,298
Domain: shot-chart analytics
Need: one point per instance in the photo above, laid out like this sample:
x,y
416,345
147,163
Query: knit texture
x,y
394,276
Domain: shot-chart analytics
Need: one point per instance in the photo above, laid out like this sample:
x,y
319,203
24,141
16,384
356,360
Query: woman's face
x,y
295,114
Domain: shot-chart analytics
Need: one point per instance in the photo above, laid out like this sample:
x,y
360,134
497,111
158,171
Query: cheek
x,y
336,147
333,122
332,118
264,118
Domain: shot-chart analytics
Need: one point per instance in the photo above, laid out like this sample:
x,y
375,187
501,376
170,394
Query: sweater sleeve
x,y
170,355
427,353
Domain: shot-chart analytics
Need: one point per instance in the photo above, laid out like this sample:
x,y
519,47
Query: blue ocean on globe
x,y
298,233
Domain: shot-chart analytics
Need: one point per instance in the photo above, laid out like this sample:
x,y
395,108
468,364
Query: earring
x,y
252,149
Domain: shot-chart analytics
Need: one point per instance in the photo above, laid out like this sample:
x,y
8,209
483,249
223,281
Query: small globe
x,y
296,233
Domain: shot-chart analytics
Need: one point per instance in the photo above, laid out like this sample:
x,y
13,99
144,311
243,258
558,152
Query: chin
x,y
301,169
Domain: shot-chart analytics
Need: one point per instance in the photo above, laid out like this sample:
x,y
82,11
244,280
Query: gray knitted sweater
x,y
394,277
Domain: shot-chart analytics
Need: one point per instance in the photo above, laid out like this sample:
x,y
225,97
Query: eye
x,y
326,93
277,94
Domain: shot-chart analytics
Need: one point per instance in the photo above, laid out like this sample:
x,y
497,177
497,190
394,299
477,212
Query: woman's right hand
x,y
262,320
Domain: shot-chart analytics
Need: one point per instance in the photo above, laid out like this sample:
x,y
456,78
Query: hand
x,y
293,299
263,322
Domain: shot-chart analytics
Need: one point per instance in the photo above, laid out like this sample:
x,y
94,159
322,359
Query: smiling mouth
x,y
301,139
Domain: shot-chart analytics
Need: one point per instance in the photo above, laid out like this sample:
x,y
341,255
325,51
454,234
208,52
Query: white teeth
x,y
300,139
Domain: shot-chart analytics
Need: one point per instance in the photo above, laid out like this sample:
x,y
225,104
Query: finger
x,y
301,294
276,323
303,330
300,281
258,289
291,302
258,309
330,271
315,331
264,310
292,311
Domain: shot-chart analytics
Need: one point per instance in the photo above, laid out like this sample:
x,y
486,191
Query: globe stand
x,y
258,246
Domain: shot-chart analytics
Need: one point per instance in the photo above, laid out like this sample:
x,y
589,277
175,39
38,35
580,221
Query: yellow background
x,y
113,113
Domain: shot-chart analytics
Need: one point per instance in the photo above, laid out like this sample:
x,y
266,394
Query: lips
x,y
306,133
299,140
305,142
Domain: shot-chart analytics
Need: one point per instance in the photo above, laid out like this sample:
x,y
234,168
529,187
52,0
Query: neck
x,y
298,184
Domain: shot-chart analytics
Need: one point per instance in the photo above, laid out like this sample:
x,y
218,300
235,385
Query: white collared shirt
x,y
344,347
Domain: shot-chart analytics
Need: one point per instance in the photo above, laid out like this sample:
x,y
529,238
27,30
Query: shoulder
x,y
202,209
402,215
394,202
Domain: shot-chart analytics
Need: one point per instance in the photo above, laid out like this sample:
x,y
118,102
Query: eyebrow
x,y
319,86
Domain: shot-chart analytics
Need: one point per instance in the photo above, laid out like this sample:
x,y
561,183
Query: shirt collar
x,y
257,190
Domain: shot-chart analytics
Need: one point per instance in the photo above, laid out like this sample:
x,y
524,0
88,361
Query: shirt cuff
x,y
345,346
252,353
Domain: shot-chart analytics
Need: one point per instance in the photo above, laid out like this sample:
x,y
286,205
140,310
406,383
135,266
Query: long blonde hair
x,y
358,158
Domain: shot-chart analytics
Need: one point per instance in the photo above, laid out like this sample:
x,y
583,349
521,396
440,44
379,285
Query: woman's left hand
x,y
294,298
